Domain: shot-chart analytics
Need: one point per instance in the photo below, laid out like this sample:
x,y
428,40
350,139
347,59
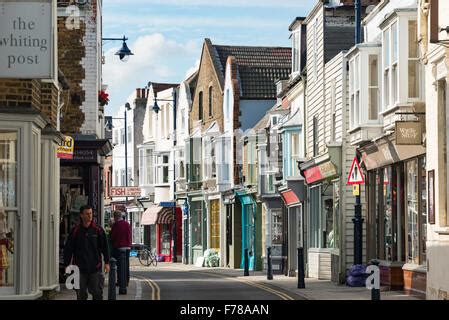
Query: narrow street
x,y
168,282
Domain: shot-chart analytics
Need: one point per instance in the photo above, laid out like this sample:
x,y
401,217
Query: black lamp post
x,y
156,109
124,51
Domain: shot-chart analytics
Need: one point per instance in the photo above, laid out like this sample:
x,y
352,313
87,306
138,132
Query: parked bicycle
x,y
147,256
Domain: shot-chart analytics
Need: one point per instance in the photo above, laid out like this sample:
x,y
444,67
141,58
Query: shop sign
x,y
65,148
313,174
26,39
408,132
125,192
85,155
328,169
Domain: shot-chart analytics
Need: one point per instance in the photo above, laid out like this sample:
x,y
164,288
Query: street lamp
x,y
156,109
109,126
124,51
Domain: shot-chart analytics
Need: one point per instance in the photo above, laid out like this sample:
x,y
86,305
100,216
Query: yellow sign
x,y
355,189
65,149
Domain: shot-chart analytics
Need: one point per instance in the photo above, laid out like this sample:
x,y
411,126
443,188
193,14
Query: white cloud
x,y
219,3
152,61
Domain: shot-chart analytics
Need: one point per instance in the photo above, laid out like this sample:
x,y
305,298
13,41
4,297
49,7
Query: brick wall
x,y
23,94
207,78
70,53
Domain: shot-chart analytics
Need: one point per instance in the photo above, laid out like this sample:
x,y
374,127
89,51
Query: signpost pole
x,y
356,178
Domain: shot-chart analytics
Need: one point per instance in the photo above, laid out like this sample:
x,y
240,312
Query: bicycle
x,y
147,256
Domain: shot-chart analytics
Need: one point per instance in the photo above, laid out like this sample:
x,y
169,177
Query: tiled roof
x,y
258,68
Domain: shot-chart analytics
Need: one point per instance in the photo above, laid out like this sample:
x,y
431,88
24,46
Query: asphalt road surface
x,y
172,284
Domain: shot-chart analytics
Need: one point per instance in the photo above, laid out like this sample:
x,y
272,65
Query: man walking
x,y
121,246
84,247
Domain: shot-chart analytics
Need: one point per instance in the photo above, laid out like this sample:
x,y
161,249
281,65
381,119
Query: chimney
x,y
138,93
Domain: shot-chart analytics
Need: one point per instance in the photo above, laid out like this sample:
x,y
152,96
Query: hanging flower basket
x,y
103,98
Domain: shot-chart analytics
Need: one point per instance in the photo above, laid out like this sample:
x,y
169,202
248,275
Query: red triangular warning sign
x,y
355,174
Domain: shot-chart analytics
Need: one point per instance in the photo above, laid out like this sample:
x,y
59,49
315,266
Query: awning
x,y
150,215
290,198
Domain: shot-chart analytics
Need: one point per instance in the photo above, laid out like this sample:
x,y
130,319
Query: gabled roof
x,y
258,67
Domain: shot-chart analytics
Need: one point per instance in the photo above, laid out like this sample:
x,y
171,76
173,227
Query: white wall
x,y
372,21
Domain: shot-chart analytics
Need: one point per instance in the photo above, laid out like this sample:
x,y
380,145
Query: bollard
x,y
112,273
122,274
269,268
375,292
301,283
246,264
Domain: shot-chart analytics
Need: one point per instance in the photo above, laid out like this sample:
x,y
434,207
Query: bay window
x,y
294,153
387,68
148,166
373,88
296,57
354,91
413,60
162,168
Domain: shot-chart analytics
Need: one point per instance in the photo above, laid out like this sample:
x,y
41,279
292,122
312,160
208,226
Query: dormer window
x,y
274,120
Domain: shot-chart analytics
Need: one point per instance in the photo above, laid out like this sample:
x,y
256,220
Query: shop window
x,y
416,211
8,207
165,239
196,217
314,217
388,239
276,227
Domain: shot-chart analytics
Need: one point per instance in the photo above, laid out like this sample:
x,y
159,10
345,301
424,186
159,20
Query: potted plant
x,y
103,98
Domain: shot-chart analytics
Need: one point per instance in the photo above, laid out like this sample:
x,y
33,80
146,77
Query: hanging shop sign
x,y
408,132
65,148
27,33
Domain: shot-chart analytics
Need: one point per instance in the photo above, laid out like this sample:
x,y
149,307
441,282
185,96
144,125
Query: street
x,y
173,282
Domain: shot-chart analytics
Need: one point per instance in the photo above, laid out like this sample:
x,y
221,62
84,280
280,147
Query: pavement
x,y
314,289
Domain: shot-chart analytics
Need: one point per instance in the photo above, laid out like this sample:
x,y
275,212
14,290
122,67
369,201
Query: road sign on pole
x,y
355,174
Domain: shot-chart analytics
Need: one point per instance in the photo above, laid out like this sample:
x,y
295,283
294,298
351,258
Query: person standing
x,y
121,246
84,248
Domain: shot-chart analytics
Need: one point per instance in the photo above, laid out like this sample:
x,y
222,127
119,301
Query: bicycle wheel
x,y
144,257
153,259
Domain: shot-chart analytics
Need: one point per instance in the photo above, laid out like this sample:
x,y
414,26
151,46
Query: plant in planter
x,y
103,98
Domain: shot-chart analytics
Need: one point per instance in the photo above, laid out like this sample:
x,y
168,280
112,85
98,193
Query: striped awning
x,y
157,215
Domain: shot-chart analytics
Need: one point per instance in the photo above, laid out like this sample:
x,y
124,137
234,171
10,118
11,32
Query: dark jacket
x,y
121,234
85,246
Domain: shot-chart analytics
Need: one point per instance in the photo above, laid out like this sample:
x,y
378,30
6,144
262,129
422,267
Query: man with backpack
x,y
84,248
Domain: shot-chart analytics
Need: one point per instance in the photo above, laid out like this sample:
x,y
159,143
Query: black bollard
x,y
246,264
112,273
301,283
269,268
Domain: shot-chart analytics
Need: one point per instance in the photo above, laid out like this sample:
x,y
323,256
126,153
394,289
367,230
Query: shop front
x,y
248,228
198,228
272,231
323,218
397,212
29,199
160,230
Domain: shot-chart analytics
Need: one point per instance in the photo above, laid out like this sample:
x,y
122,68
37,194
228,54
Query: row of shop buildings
x,y
256,147
40,105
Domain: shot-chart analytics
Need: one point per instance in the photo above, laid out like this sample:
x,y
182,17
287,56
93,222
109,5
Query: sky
x,y
166,36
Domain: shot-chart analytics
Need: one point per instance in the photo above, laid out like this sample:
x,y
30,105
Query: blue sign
x,y
168,204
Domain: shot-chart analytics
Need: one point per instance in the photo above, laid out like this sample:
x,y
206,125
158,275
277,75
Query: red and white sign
x,y
125,192
355,174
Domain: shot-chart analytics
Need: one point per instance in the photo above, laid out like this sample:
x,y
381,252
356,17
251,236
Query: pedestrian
x,y
121,246
84,247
